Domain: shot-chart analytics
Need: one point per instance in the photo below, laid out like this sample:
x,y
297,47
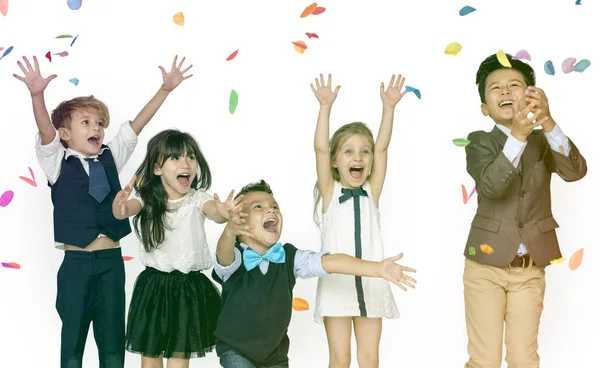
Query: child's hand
x,y
173,78
392,95
230,207
323,91
122,197
537,97
33,78
394,273
524,123
236,225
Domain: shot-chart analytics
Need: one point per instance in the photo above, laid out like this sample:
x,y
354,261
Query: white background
x,y
270,136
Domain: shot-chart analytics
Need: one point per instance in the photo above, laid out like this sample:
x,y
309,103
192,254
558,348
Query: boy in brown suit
x,y
512,237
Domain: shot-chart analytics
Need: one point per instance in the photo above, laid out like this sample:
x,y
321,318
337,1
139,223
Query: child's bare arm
x,y
236,226
124,207
219,211
170,81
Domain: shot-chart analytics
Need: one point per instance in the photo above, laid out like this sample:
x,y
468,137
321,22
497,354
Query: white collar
x,y
70,152
504,129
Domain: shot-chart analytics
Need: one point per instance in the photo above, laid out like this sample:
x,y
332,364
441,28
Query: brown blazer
x,y
513,204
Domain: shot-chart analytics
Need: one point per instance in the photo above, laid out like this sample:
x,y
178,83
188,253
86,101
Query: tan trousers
x,y
495,296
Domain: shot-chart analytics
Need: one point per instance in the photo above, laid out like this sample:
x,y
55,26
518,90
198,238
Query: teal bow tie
x,y
276,254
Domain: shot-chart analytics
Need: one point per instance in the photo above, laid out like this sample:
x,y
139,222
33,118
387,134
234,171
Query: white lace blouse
x,y
185,247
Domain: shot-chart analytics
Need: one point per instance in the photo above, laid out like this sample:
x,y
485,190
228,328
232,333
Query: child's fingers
x,y
336,90
132,181
322,80
329,80
29,67
186,69
408,269
313,88
22,79
22,67
36,64
399,284
408,278
181,63
412,286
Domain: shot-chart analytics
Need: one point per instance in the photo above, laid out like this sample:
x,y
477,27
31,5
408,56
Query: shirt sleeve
x,y
201,197
123,145
308,263
557,140
224,272
513,150
50,156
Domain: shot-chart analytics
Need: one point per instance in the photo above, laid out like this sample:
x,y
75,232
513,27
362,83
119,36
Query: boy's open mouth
x,y
356,172
184,179
95,140
506,103
270,225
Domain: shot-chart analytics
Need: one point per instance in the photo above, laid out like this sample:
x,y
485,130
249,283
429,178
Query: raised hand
x,y
173,78
394,272
392,95
323,91
33,78
537,97
523,123
123,196
237,223
230,207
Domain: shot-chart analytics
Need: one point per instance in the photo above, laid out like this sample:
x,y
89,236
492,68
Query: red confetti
x,y
127,258
48,56
464,194
11,265
318,10
29,181
312,35
233,54
300,44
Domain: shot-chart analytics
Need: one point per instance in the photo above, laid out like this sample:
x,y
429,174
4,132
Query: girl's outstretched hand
x,y
33,78
323,91
392,95
230,206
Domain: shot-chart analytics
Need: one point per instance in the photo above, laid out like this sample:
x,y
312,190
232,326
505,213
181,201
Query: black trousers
x,y
91,287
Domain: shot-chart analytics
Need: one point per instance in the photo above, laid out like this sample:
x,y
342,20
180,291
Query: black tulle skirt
x,y
172,314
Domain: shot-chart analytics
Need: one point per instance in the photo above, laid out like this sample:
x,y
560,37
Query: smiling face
x,y
177,174
85,132
354,161
504,88
264,214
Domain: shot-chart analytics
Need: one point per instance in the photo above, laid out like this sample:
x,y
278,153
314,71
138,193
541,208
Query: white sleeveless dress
x,y
345,295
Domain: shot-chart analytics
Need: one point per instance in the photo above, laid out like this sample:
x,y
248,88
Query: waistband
x,y
95,254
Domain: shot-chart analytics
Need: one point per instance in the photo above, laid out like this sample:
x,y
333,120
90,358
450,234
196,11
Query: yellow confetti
x,y
503,59
138,183
487,249
558,260
179,19
300,46
453,48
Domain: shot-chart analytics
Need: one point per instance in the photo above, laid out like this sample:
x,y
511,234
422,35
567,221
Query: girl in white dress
x,y
351,171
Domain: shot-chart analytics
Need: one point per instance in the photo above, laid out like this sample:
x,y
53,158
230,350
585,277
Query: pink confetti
x,y
472,192
127,258
62,54
6,198
48,56
31,172
11,265
568,65
3,7
522,55
1,48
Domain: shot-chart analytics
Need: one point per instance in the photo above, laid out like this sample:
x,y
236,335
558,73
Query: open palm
x,y
33,78
323,91
173,78
392,95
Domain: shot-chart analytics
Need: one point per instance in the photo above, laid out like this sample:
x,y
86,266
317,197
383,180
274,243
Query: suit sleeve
x,y
571,167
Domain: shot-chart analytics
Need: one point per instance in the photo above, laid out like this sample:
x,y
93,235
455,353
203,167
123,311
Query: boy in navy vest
x,y
83,175
258,274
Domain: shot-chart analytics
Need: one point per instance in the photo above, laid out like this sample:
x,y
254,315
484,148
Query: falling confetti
x,y
461,142
453,48
549,67
64,36
179,19
582,65
487,249
414,90
74,4
75,81
300,46
1,48
503,59
312,35
4,7
578,2
466,10
318,10
233,101
558,260
522,55
6,52
299,304
127,258
29,181
11,265
309,10
138,183
472,192
49,56
6,198
62,54
568,65
575,260
72,42
233,54
464,193
472,251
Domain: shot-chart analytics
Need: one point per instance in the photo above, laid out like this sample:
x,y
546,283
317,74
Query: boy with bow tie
x,y
263,287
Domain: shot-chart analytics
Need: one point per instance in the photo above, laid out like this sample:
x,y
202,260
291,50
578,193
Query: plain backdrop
x,y
121,43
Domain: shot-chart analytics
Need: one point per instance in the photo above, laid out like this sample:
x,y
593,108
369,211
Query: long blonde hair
x,y
337,140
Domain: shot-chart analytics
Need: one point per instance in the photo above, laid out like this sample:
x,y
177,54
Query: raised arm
x,y
326,98
123,207
236,226
390,97
217,210
170,81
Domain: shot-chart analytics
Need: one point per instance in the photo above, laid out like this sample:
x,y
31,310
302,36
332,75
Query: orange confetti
x,y
11,265
299,304
575,260
464,193
486,248
558,260
309,10
127,258
300,46
179,19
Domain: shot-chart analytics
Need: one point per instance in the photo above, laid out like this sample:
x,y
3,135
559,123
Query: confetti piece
x,y
62,54
308,11
233,54
472,192
31,172
466,10
522,55
318,10
233,101
578,2
567,65
75,81
299,304
312,35
29,181
549,67
464,193
503,59
64,36
127,258
300,46
575,260
461,142
11,265
48,56
414,90
72,42
6,198
6,52
138,183
4,7
555,261
472,251
453,48
1,48
179,19
487,249
582,65
74,4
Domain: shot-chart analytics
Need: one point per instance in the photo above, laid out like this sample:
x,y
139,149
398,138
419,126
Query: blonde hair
x,y
337,141
61,116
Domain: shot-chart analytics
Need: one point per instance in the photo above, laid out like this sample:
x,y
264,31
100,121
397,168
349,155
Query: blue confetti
x,y
6,52
549,67
74,4
582,65
75,81
72,42
414,90
578,2
466,10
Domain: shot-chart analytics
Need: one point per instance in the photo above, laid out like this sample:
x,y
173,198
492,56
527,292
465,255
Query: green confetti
x,y
461,142
472,251
582,65
233,101
64,36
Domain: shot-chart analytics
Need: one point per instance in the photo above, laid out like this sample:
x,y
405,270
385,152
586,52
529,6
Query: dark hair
x,y
260,186
167,144
491,64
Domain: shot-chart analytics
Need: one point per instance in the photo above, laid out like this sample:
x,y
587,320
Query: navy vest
x,y
78,218
256,311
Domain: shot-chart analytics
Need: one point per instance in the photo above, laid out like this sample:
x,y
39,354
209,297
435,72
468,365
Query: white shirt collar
x,y
70,152
504,129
